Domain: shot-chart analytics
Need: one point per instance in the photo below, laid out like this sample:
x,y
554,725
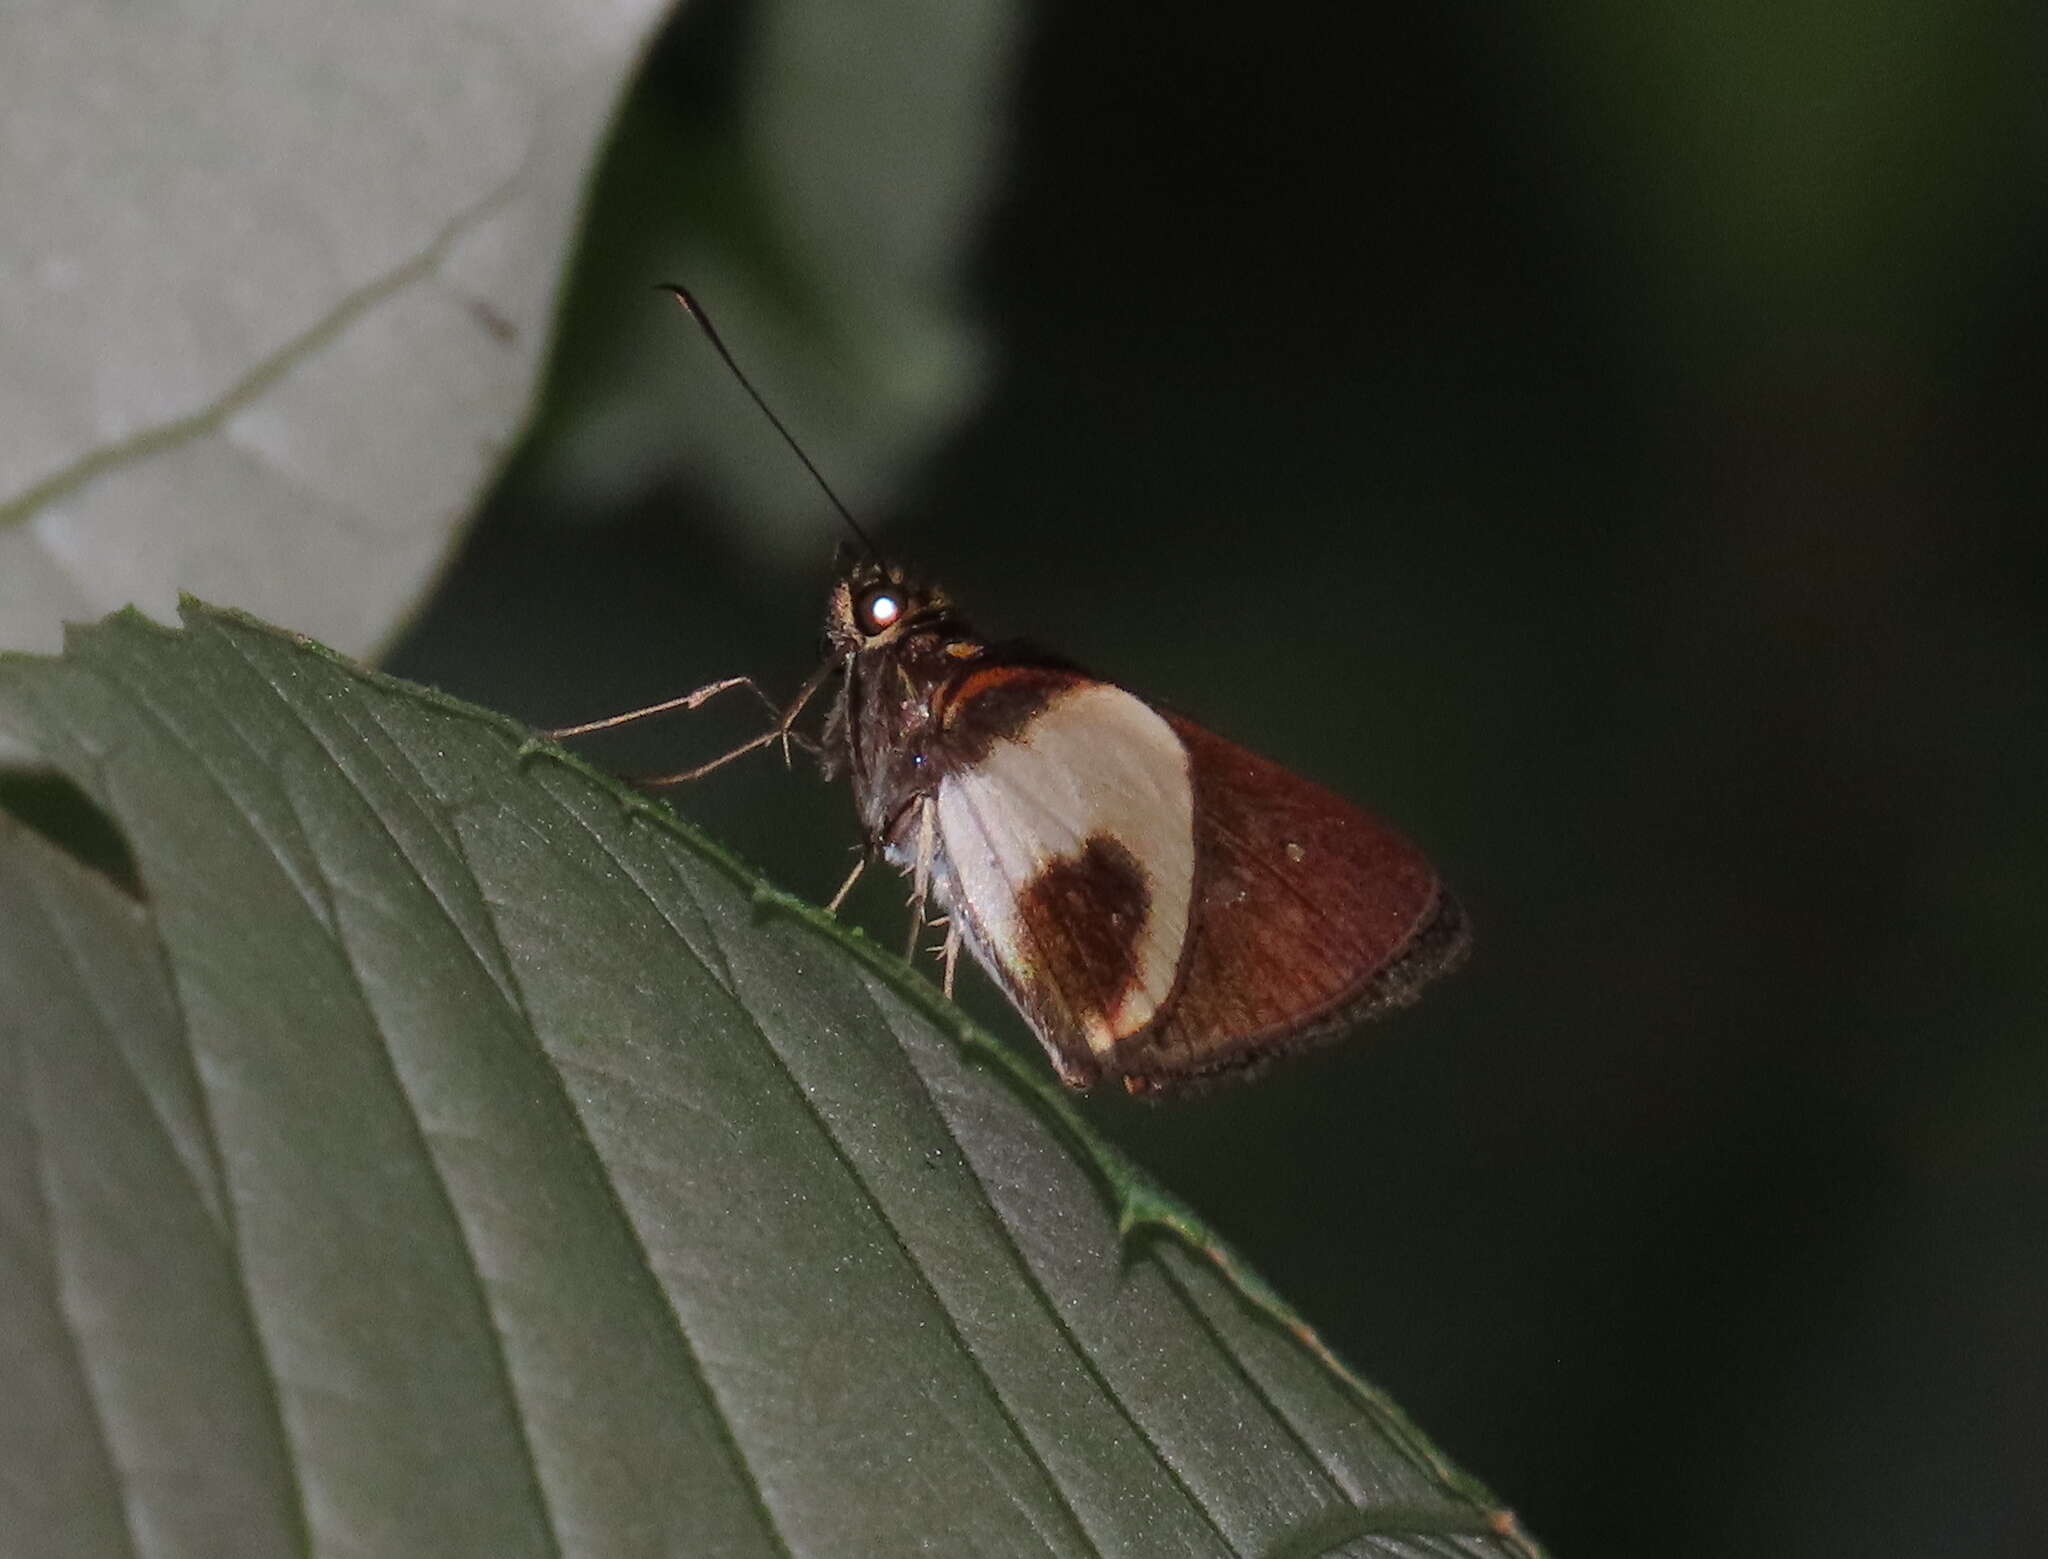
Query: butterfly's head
x,y
874,604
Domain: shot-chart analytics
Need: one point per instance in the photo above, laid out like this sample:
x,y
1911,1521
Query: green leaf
x,y
459,1155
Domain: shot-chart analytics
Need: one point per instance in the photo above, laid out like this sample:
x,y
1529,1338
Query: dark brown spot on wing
x,y
1085,916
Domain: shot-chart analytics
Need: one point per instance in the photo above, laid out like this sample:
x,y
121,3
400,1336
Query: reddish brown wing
x,y
1308,916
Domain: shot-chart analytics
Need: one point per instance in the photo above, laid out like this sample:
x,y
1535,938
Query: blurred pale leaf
x,y
459,1156
825,221
276,280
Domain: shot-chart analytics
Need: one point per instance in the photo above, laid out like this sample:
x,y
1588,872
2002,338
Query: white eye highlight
x,y
879,609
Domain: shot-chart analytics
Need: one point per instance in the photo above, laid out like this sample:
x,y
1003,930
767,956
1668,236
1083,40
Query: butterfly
x,y
1162,906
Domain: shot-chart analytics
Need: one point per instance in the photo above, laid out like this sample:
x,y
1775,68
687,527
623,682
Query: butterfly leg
x,y
951,955
782,731
860,865
696,700
921,872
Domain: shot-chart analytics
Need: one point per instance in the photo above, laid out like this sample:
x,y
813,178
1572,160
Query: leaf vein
x,y
868,1195
209,1196
266,373
1258,1387
424,1136
244,1287
59,1305
1037,1288
322,912
491,971
770,1527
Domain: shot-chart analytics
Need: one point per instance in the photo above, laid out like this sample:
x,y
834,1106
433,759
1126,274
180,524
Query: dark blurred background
x,y
1611,446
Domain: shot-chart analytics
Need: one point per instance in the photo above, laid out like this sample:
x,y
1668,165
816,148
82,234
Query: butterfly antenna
x,y
695,310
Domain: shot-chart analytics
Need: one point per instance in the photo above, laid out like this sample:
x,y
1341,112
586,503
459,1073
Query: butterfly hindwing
x,y
1309,916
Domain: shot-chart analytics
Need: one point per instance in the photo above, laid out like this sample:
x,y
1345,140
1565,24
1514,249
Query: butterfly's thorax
x,y
890,719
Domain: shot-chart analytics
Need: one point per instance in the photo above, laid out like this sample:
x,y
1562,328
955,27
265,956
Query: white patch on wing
x,y
1095,761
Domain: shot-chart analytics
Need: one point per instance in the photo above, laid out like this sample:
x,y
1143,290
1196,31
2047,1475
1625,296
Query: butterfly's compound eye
x,y
879,610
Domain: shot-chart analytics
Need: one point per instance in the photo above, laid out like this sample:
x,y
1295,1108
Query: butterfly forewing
x,y
1068,852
